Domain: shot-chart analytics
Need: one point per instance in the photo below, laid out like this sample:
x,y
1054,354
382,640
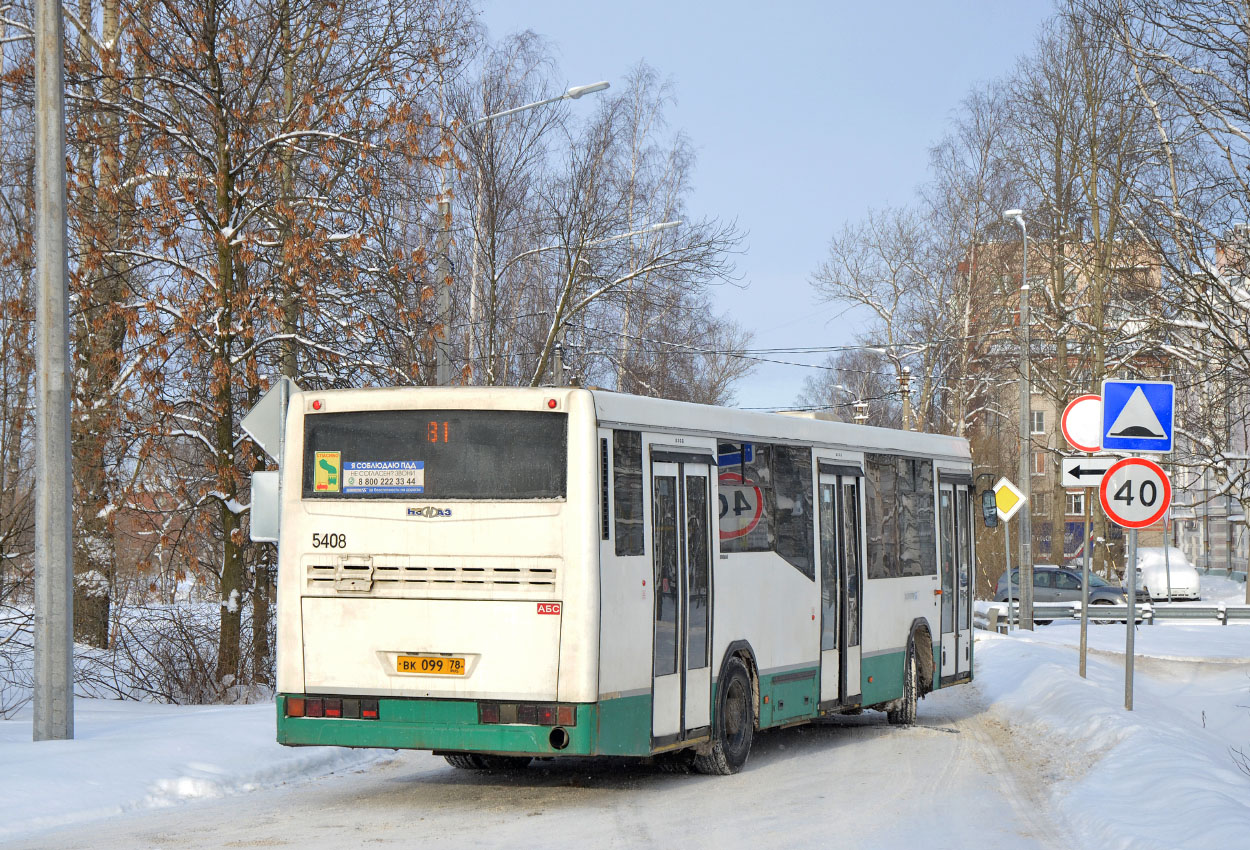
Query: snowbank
x,y
1162,776
131,755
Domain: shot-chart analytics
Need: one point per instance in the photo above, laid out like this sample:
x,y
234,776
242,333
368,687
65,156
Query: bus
x,y
502,574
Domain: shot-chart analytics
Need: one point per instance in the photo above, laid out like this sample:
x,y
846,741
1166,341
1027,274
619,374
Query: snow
x,y
134,755
1029,755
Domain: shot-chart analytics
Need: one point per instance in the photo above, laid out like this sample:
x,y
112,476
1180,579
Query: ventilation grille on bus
x,y
392,576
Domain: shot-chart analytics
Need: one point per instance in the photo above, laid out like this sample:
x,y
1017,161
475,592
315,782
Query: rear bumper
x,y
429,724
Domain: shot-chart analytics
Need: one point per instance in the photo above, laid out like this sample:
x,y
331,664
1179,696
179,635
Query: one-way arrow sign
x,y
1084,471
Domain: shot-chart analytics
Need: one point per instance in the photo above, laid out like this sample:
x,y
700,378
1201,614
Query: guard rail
x,y
995,617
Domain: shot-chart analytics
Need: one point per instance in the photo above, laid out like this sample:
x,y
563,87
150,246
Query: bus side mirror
x,y
989,508
266,507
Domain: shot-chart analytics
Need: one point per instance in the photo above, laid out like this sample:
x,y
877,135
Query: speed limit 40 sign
x,y
1135,492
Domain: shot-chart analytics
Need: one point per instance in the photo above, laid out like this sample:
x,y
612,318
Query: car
x,y
1154,572
1061,584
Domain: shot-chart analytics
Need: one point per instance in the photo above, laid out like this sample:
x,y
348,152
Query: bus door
x,y
955,549
841,580
681,687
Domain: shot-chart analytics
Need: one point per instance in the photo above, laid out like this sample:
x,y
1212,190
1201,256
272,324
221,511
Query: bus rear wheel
x,y
905,712
463,761
474,761
734,727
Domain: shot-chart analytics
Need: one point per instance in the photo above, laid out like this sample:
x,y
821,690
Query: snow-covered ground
x,y
1030,730
134,755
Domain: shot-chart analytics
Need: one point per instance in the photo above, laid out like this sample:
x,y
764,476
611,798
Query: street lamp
x,y
442,357
1026,443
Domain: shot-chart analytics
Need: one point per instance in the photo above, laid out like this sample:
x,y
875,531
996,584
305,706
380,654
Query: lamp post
x,y
442,357
1026,444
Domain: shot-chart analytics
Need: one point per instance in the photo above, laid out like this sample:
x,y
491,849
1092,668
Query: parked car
x,y
1153,573
1060,584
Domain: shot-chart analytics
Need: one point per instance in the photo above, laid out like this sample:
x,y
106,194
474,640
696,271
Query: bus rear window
x,y
435,454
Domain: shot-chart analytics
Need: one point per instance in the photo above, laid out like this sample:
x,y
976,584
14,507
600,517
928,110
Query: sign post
x,y
1081,424
1089,492
1135,493
1009,500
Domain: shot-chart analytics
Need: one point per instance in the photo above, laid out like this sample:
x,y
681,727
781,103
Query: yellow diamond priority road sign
x,y
1008,499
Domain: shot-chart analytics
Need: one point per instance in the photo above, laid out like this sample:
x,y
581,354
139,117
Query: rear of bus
x,y
438,585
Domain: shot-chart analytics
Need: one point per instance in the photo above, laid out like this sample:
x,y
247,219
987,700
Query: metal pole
x,y
54,565
1130,623
1085,583
1026,444
1167,562
1007,551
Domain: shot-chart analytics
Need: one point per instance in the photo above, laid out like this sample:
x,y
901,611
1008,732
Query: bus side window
x,y
792,468
627,491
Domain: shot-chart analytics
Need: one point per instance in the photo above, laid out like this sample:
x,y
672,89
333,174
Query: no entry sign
x,y
1081,423
1135,493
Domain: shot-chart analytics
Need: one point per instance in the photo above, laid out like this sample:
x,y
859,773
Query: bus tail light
x,y
369,709
334,708
294,706
531,714
314,708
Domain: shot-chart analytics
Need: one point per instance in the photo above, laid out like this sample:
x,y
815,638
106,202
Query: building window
x,y
1041,504
1076,504
1038,418
1039,462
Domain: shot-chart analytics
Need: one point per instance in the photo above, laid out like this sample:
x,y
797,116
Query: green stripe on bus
x,y
886,674
789,699
417,724
624,726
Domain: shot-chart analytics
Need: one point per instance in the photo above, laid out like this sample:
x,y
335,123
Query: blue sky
x,y
804,115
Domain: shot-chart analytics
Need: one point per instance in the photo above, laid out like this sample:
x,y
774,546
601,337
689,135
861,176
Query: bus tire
x,y
463,761
504,763
734,724
904,714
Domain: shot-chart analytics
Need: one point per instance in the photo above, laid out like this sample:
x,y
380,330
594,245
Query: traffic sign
x,y
1084,471
1008,498
1081,423
1135,492
1137,416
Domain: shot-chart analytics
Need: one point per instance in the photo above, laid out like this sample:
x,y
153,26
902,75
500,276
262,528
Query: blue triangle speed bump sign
x,y
1137,416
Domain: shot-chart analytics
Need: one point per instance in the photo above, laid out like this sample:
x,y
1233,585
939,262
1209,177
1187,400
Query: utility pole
x,y
54,566
904,390
442,247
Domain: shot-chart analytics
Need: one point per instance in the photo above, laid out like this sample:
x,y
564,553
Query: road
x,y
956,780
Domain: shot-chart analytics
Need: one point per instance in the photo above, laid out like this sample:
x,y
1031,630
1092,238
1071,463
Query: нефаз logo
x,y
429,512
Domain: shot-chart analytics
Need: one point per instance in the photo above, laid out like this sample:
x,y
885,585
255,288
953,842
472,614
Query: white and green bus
x,y
502,574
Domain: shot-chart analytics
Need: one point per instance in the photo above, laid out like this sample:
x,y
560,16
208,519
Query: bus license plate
x,y
430,665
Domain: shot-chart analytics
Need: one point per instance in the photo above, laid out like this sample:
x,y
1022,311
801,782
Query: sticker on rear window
x,y
326,472
384,476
